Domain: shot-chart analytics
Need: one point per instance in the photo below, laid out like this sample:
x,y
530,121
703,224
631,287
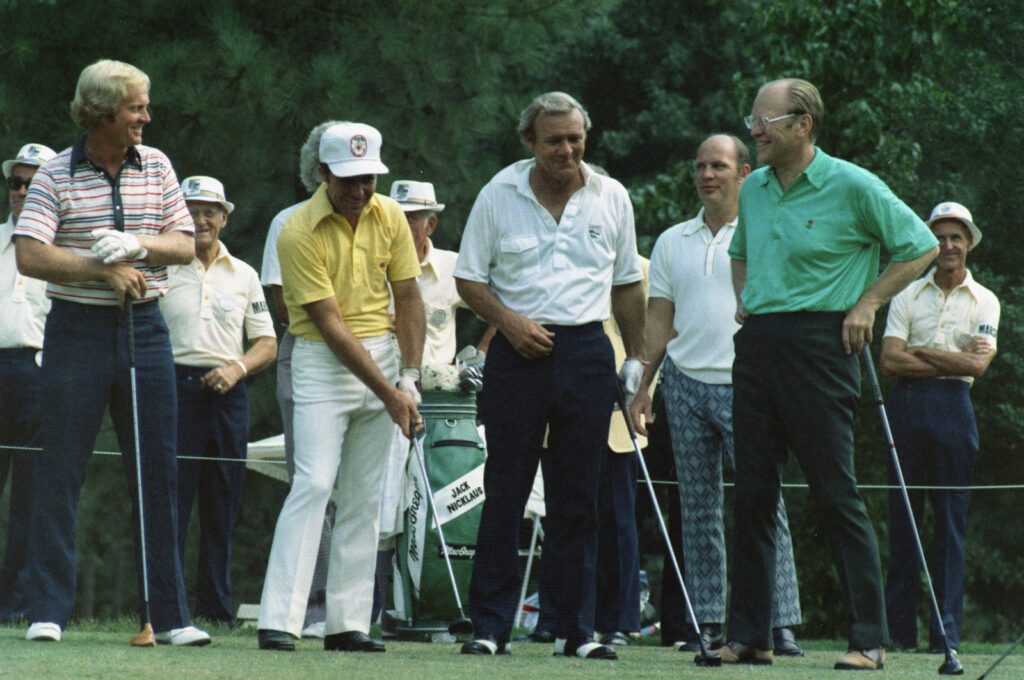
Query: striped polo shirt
x,y
70,197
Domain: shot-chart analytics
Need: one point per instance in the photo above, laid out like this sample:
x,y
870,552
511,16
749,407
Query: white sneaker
x,y
315,630
190,636
43,632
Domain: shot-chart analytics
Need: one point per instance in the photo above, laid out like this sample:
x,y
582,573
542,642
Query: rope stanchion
x,y
657,482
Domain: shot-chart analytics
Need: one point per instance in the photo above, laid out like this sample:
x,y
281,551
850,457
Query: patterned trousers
x,y
700,422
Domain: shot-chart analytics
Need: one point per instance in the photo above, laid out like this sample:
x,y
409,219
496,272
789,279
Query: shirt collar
x,y
968,283
521,176
133,157
322,208
817,171
697,223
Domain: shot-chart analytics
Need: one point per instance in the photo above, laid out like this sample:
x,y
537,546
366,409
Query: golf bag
x,y
454,456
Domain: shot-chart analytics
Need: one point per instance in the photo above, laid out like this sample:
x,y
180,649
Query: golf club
x,y
952,665
145,637
704,659
1000,659
461,625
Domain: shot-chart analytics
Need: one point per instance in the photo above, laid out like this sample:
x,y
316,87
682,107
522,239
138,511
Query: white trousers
x,y
343,435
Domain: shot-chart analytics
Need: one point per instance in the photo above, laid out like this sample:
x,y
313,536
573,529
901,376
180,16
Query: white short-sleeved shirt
x,y
270,273
923,316
551,273
440,300
691,268
23,301
207,310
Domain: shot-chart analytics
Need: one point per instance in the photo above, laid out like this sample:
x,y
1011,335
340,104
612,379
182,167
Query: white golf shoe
x,y
43,632
190,636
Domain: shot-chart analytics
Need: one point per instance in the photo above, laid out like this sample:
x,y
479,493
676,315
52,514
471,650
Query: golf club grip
x,y
620,397
869,364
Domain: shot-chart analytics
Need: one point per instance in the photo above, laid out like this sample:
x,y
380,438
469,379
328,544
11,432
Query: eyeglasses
x,y
762,122
17,183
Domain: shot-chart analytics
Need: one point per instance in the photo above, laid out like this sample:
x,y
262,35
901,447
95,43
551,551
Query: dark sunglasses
x,y
16,183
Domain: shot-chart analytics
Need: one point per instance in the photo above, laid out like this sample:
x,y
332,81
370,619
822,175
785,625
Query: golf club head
x,y
461,626
144,638
952,665
707,661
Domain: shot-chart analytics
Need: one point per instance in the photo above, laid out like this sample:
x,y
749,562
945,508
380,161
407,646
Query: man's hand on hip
x,y
528,337
857,328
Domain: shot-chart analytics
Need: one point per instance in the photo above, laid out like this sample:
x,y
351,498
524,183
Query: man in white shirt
x,y
548,245
939,337
690,315
211,306
23,309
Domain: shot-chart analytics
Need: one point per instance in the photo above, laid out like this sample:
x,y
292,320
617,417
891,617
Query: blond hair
x,y
101,89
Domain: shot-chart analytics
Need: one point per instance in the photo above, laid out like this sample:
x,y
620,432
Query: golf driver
x,y
952,665
1000,659
461,625
145,637
704,659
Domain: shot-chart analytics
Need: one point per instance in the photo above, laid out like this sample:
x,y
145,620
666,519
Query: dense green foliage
x,y
921,92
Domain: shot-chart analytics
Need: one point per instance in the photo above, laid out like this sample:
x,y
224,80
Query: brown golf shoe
x,y
737,652
862,660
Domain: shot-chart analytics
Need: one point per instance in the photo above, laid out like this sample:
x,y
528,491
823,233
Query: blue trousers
x,y
700,420
569,394
937,442
211,425
617,599
21,388
795,391
85,368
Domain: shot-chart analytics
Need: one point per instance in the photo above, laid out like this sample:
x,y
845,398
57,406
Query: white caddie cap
x,y
954,211
352,149
30,154
208,189
413,196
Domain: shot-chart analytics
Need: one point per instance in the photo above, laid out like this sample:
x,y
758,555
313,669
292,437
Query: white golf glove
x,y
629,377
114,246
409,382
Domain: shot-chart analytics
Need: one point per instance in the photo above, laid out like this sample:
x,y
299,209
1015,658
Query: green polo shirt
x,y
815,247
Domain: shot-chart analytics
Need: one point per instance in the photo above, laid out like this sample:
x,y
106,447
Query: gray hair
x,y
550,103
101,88
803,98
309,156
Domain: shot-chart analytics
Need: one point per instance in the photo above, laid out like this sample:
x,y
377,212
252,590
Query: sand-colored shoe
x,y
737,652
862,660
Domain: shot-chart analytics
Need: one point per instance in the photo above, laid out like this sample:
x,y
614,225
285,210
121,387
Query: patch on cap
x,y
358,146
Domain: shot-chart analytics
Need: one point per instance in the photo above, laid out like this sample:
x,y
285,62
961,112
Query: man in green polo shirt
x,y
805,259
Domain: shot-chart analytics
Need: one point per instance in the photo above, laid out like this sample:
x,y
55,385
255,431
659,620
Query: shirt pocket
x,y
229,310
520,254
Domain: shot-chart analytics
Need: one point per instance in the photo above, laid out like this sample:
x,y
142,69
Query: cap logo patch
x,y
193,186
358,146
402,192
32,151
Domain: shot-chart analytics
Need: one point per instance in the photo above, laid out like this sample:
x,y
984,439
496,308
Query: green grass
x,y
101,650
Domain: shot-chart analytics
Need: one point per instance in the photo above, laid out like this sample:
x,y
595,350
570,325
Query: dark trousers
x,y
796,390
85,368
617,600
21,388
937,442
211,425
569,394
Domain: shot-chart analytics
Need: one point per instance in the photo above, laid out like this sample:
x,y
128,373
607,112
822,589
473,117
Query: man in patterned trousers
x,y
690,314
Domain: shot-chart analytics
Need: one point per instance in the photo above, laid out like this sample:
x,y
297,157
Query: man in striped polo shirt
x,y
101,223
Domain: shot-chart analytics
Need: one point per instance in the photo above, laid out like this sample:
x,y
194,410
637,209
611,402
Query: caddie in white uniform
x,y
211,305
23,309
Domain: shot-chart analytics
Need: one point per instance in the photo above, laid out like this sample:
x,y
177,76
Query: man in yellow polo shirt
x,y
338,253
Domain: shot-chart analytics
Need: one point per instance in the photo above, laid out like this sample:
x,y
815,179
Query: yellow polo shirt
x,y
321,257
